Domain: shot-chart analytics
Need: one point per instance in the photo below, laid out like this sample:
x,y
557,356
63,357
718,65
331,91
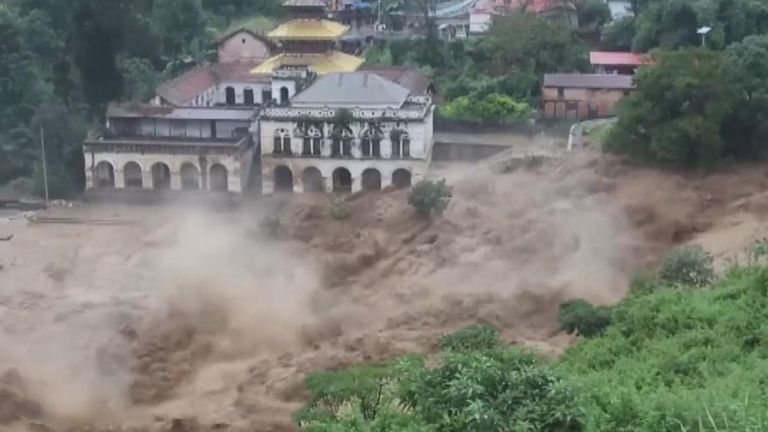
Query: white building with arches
x,y
346,132
166,148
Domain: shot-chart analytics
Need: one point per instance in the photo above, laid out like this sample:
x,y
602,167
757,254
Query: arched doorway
x,y
283,179
371,179
219,178
132,175
229,93
312,180
342,180
283,95
161,176
401,178
105,175
190,177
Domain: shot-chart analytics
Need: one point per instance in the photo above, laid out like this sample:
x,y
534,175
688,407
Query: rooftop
x,y
416,82
594,81
322,64
309,29
352,89
305,3
607,58
134,110
187,86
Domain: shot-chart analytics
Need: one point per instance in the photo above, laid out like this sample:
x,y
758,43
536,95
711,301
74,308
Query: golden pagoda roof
x,y
309,29
322,64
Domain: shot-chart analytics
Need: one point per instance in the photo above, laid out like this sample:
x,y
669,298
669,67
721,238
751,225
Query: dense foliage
x,y
670,360
695,106
61,62
430,198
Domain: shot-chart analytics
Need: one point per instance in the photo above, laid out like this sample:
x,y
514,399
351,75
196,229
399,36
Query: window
x,y
282,144
313,141
401,145
243,40
560,92
229,94
248,97
371,143
341,146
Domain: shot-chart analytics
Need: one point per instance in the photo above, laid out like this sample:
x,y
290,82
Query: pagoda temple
x,y
308,41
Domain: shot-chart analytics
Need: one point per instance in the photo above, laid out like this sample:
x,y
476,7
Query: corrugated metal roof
x,y
607,58
309,29
596,81
322,64
166,112
352,89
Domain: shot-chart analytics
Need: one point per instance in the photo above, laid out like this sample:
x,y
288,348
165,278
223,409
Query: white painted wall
x,y
237,167
421,136
479,22
220,96
620,8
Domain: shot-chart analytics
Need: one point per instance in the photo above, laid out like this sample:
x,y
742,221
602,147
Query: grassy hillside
x,y
674,358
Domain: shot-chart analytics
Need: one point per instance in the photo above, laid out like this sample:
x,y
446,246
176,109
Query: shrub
x,y
493,108
430,198
583,318
472,338
688,266
338,209
643,283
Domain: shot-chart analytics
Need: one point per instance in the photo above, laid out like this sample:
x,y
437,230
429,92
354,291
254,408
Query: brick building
x,y
583,96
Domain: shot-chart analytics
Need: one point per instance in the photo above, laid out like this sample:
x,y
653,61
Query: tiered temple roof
x,y
311,29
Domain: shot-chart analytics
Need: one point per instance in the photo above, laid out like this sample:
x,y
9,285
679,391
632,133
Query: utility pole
x,y
45,165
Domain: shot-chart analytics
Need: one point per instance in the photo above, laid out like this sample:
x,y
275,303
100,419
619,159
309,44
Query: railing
x,y
357,113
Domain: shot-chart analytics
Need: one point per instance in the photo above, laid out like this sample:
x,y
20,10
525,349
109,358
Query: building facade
x,y
346,132
166,148
583,96
287,109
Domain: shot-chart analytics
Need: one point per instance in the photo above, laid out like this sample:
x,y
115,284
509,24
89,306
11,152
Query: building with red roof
x,y
624,63
481,16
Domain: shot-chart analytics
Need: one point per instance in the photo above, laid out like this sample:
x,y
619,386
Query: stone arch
x,y
219,178
342,180
161,176
401,178
313,181
132,175
282,143
284,95
190,176
371,179
283,178
230,96
104,177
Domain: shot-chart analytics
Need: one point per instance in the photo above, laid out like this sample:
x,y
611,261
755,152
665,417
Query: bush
x,y
643,283
472,338
688,266
583,318
338,209
493,108
430,198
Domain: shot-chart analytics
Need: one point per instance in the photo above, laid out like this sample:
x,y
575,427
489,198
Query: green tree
x,y
746,128
430,198
593,13
181,26
675,114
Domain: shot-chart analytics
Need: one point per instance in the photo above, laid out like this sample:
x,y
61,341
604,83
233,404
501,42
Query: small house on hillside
x,y
625,63
583,96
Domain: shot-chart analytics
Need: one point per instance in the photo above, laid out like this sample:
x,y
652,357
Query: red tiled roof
x,y
187,86
606,58
411,79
